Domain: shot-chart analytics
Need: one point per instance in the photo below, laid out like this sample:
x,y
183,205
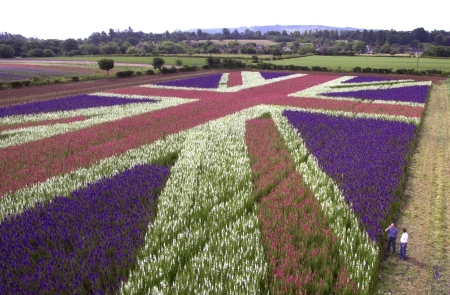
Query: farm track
x,y
30,94
426,213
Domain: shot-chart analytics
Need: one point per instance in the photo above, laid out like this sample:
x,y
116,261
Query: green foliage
x,y
319,69
359,47
16,84
6,51
124,74
158,62
171,47
49,53
132,50
187,68
110,48
149,72
178,62
106,64
255,59
170,70
213,62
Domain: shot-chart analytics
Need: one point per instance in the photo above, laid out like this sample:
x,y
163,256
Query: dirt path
x,y
426,213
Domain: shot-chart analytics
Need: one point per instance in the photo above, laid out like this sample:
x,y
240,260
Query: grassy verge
x,y
426,212
349,62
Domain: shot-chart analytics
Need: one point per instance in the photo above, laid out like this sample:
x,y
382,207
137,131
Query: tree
x,y
359,47
178,62
132,50
276,52
109,48
70,44
106,64
6,51
226,33
158,62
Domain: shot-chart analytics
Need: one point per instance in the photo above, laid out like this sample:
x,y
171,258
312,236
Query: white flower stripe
x,y
249,80
94,116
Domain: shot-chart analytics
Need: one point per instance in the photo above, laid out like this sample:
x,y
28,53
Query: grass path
x,y
426,212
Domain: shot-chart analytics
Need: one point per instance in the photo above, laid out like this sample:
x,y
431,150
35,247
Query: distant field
x,y
170,60
225,42
349,62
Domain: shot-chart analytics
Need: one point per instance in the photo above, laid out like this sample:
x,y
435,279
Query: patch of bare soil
x,y
426,213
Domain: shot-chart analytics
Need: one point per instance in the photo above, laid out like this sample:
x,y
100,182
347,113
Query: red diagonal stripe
x,y
38,160
234,79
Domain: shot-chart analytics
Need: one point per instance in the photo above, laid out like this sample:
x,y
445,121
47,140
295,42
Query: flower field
x,y
237,183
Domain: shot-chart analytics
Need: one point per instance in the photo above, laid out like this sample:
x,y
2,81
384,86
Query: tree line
x,y
133,42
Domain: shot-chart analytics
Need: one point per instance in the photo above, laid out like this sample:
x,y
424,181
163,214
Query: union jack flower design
x,y
241,182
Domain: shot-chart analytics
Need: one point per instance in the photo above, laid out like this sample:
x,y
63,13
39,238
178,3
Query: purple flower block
x,y
364,79
272,75
365,157
67,104
210,81
416,94
82,244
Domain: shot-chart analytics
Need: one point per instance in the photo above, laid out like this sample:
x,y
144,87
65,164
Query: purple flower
x,y
272,75
67,104
210,81
82,244
365,157
416,94
365,79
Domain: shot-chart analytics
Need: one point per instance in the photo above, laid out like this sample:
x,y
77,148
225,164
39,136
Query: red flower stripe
x,y
234,79
43,123
39,160
302,251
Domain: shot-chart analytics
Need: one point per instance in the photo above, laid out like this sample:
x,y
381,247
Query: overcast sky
x,y
80,18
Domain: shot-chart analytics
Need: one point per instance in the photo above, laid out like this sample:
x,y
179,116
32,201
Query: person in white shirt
x,y
403,244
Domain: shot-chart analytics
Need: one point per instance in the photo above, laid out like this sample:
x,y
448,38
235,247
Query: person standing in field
x,y
392,236
403,244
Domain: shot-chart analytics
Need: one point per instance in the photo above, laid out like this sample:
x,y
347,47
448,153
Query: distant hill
x,y
279,28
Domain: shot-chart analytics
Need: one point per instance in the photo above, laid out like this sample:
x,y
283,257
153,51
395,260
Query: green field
x,y
170,60
349,62
345,63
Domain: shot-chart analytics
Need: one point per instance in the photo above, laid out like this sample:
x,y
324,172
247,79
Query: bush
x,y
15,84
232,63
265,66
206,67
357,69
138,73
187,68
75,78
367,70
382,71
170,70
213,62
158,62
319,69
150,72
26,83
124,74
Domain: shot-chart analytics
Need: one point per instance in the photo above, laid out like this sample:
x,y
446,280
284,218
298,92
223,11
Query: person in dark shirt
x,y
392,236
